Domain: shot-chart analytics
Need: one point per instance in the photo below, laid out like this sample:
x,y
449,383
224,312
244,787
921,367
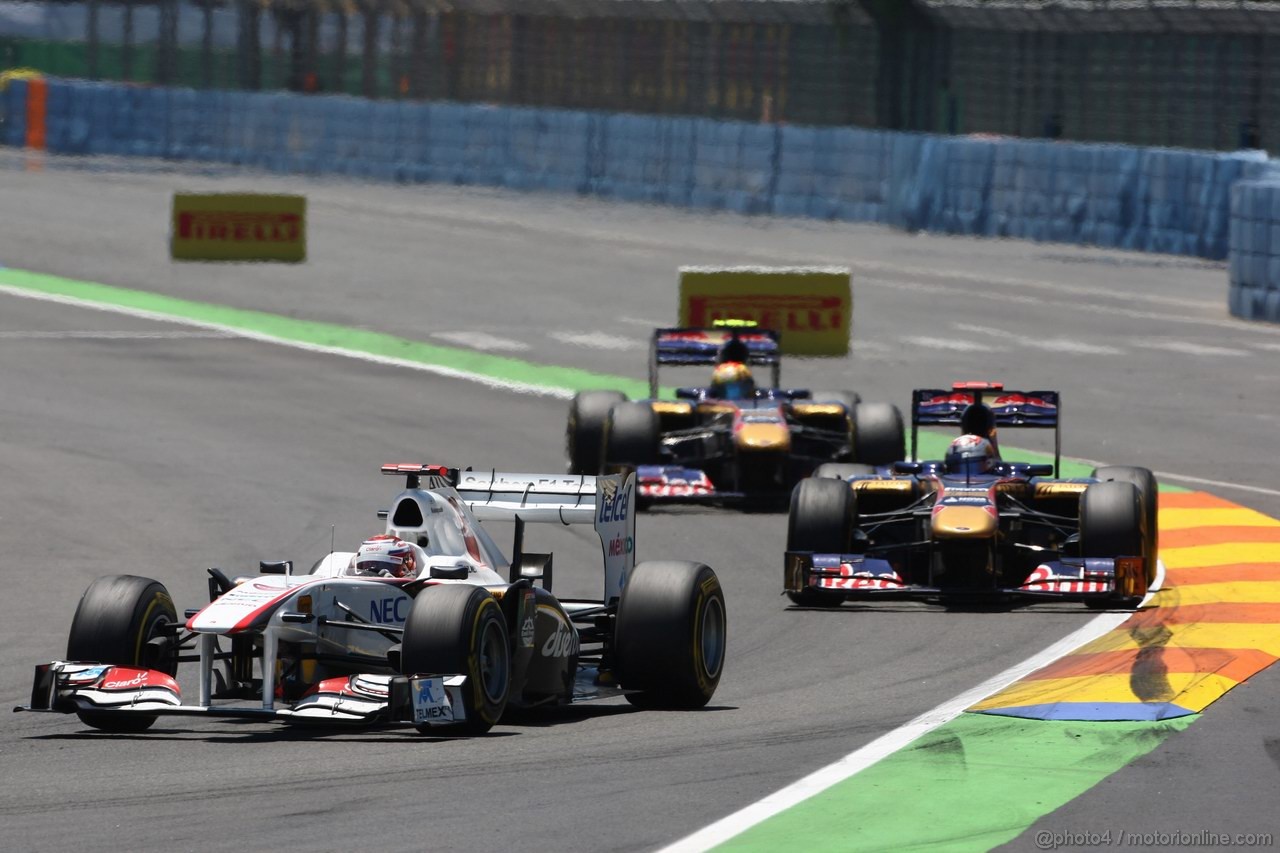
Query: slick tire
x,y
458,629
1111,521
822,517
114,621
671,636
843,470
848,399
584,435
632,435
878,436
1147,488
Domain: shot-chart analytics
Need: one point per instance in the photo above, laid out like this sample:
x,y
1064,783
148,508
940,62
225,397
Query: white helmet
x,y
970,454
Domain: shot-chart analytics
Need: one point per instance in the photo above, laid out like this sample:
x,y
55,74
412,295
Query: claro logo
x,y
217,225
796,313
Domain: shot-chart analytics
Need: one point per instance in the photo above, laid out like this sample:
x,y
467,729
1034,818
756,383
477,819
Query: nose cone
x,y
764,437
963,522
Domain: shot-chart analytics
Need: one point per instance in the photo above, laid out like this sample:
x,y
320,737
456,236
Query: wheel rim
x,y
493,662
713,636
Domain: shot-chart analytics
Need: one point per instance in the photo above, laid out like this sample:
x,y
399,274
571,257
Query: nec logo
x,y
388,609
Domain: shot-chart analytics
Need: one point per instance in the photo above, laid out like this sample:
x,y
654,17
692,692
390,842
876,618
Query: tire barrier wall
x,y
1159,200
1254,271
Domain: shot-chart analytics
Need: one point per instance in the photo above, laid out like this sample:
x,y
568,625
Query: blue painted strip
x,y
1094,711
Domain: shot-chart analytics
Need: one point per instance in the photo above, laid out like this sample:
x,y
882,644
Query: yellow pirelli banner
x,y
239,227
812,307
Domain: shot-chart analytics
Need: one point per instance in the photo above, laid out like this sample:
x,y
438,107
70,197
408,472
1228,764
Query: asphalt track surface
x,y
143,447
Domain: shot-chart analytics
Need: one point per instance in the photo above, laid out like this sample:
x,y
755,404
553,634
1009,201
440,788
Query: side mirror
x,y
908,467
448,568
1040,470
277,567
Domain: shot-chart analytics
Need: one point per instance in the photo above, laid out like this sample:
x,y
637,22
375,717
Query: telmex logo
x,y
796,313
217,225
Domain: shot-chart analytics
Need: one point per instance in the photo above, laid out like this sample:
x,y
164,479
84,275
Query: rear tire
x,y
1148,488
584,435
878,436
822,517
115,619
672,632
457,629
631,436
1111,523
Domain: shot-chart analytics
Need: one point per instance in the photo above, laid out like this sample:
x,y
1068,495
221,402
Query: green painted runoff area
x,y
482,365
972,784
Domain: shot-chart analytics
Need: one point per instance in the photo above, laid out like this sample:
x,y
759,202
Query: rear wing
x,y
694,346
1022,409
606,502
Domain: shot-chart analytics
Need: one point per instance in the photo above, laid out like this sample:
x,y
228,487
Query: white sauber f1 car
x,y
454,640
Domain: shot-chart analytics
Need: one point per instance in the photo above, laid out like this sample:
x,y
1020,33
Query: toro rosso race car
x,y
730,440
426,625
973,525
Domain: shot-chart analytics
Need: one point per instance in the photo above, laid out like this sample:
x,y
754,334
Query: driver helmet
x,y
732,381
386,556
970,454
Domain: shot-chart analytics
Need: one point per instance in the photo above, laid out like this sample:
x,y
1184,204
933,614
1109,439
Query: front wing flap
x,y
70,687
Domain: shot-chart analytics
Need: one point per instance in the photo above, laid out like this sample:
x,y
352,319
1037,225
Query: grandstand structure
x,y
1185,73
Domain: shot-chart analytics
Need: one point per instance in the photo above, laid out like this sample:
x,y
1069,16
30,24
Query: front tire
x,y
584,434
631,436
459,629
116,618
843,470
1111,524
1148,488
672,632
822,517
878,436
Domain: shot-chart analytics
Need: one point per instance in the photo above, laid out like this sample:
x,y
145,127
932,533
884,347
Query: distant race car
x,y
972,526
729,441
427,624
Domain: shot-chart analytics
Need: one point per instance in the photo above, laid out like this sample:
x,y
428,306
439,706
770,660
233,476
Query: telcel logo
x,y
615,508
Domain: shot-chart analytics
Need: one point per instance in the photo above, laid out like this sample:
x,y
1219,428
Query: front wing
x,y
72,687
858,576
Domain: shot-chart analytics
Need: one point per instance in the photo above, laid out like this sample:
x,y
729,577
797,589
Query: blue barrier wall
x,y
1253,290
1106,195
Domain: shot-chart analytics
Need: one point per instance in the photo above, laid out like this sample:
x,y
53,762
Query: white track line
x,y
887,744
235,331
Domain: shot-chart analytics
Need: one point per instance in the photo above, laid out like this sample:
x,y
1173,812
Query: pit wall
x,y
1158,200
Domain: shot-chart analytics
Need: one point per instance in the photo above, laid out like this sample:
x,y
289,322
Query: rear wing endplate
x,y
606,502
701,346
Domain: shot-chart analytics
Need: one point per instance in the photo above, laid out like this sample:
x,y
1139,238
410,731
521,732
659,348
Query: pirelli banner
x,y
239,227
812,307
